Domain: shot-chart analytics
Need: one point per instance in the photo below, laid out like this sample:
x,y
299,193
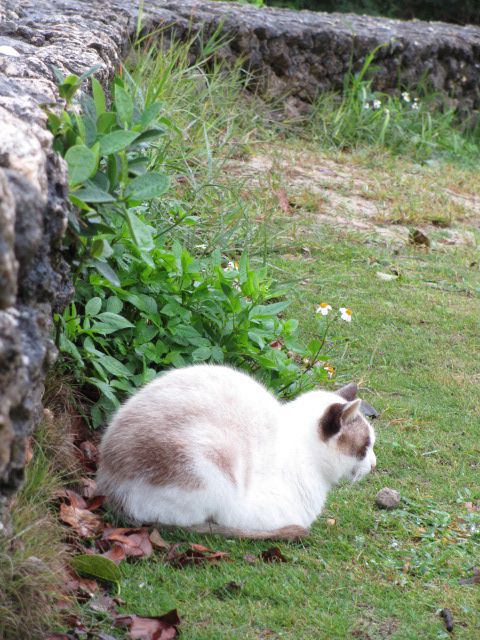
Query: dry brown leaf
x,y
157,541
157,628
72,498
194,554
331,522
116,553
96,502
251,559
135,541
85,523
89,488
273,554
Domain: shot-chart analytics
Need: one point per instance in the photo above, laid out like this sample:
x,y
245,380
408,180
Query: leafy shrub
x,y
143,301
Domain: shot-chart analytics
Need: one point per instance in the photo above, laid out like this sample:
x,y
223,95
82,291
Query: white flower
x,y
323,308
416,104
366,105
376,104
406,96
346,314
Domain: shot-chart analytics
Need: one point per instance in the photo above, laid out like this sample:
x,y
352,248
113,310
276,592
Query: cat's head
x,y
344,429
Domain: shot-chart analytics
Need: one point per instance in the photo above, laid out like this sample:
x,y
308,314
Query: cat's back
x,y
212,397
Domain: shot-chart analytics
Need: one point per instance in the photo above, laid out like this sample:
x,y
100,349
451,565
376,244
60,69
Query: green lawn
x,y
414,346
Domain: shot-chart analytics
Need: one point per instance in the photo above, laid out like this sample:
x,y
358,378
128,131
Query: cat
x,y
208,448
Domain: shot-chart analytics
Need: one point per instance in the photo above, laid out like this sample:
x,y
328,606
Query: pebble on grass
x,y
387,498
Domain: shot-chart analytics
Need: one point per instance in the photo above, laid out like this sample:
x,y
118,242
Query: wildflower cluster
x,y
377,104
324,309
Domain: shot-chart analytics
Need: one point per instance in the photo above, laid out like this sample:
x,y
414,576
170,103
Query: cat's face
x,y
345,430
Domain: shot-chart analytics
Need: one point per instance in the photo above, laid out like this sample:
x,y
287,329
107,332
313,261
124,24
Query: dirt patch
x,y
381,203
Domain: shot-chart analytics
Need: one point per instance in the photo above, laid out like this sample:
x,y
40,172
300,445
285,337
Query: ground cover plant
x,y
411,344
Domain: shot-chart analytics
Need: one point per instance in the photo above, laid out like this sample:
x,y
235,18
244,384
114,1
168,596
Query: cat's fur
x,y
209,448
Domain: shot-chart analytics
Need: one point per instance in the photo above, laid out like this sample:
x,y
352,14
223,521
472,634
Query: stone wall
x,y
301,53
294,54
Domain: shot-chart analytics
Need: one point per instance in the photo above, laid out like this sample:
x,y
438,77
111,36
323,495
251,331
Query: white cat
x,y
208,448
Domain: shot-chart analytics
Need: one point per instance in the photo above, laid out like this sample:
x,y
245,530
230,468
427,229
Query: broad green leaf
x,y
268,310
97,566
143,303
91,193
115,367
106,389
114,304
109,322
150,134
93,306
98,97
201,354
123,105
82,163
142,233
217,354
147,186
150,113
107,272
101,248
116,141
106,121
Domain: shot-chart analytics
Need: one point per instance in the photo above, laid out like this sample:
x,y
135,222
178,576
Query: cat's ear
x,y
348,392
336,415
351,410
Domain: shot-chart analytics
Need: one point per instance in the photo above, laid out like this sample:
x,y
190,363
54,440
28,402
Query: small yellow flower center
x,y
348,312
323,305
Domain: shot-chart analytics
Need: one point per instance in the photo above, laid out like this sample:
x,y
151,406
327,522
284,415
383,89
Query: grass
x,y
412,345
32,554
373,574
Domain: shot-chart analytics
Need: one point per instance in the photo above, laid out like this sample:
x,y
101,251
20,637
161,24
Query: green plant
x,y
422,126
32,556
143,301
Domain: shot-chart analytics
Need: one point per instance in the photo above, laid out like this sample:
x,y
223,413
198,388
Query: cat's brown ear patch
x,y
348,392
331,421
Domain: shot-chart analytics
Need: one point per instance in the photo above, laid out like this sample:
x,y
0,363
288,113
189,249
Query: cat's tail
x,y
291,533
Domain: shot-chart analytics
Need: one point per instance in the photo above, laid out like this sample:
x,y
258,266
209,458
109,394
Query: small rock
x,y
388,498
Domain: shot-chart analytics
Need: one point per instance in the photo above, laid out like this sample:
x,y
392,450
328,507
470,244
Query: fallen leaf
x,y
273,554
331,522
89,488
97,566
157,541
283,201
194,554
102,604
116,553
135,542
276,344
89,450
72,498
156,628
85,523
96,502
251,559
475,579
